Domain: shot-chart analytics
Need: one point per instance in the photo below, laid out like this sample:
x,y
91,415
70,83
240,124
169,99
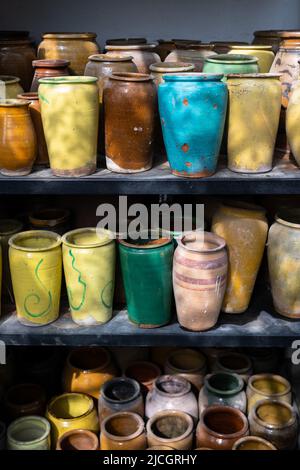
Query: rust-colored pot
x,y
48,68
78,439
145,373
123,431
24,400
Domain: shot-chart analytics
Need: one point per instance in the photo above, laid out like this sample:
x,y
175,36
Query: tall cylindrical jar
x,y
227,63
8,228
292,121
9,87
48,68
29,433
264,54
70,114
244,227
143,54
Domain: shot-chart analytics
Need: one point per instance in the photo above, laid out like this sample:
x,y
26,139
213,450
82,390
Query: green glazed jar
x,y
29,433
231,63
147,275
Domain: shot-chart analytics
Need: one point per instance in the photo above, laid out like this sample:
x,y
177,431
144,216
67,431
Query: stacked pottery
x,y
9,87
170,428
8,227
24,400
144,372
29,433
189,364
123,431
143,54
253,443
223,388
192,53
56,220
267,386
292,120
48,68
120,394
79,439
264,54
235,63
234,363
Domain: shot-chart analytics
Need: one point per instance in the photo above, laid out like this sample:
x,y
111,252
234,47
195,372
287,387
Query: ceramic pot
x,y
253,118
18,144
160,69
164,47
171,428
8,227
120,394
264,54
90,254
223,388
24,400
199,279
9,87
171,392
276,422
143,54
244,228
253,443
189,364
130,106
70,106
73,47
78,439
35,113
268,37
48,68
56,220
268,386
87,369
192,53
151,261
36,271
235,363
223,47
234,63
144,372
220,427
123,431
2,436
29,433
69,412
292,118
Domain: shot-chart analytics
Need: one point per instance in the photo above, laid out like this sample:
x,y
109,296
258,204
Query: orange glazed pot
x,y
123,431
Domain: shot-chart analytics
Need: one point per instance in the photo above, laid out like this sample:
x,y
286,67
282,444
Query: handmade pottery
x,y
145,373
2,436
253,443
223,388
8,227
268,386
292,118
56,220
123,431
189,364
78,439
24,400
231,63
264,54
235,363
9,87
159,69
143,54
191,53
29,433
48,68
172,428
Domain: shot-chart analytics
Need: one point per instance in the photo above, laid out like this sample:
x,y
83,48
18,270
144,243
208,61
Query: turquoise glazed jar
x,y
192,111
147,275
231,63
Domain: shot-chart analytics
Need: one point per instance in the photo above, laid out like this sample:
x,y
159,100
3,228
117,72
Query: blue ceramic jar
x,y
192,111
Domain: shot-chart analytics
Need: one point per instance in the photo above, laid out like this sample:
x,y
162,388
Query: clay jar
x,y
79,439
24,400
143,54
171,428
264,54
123,431
189,364
199,279
171,392
270,37
191,53
223,388
160,69
56,220
244,228
235,363
48,68
276,422
145,373
73,47
253,443
292,120
130,112
18,144
87,369
268,386
235,63
29,433
120,394
253,118
9,87
220,427
8,227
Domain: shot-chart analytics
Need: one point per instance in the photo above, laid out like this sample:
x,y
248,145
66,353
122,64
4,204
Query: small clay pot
x,y
268,386
48,68
79,439
143,372
253,443
56,220
123,431
24,400
172,428
189,364
235,363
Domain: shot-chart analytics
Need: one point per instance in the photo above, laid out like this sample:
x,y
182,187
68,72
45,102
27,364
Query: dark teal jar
x,y
192,109
231,63
147,275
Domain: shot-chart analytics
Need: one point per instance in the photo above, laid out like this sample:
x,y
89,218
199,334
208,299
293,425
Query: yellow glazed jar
x,y
267,387
9,87
244,227
70,114
89,266
36,269
292,121
253,118
264,54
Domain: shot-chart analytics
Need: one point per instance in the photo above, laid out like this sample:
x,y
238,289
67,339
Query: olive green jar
x,y
231,63
29,433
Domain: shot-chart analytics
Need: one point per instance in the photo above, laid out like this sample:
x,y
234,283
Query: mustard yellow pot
x,y
8,227
36,269
70,114
244,227
89,266
9,87
267,386
292,121
264,54
254,110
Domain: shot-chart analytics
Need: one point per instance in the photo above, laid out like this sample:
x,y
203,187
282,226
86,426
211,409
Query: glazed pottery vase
x,y
69,412
276,422
150,261
24,400
35,113
8,227
56,220
234,363
199,279
143,54
160,69
120,394
220,427
144,372
86,370
2,436
130,103
292,119
73,47
48,68
223,388
253,443
264,54
191,53
123,431
9,87
18,144
189,364
89,266
171,392
36,270
170,428
29,433
70,107
268,386
244,228
78,439
230,63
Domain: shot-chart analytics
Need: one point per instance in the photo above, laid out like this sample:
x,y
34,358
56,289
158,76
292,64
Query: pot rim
x,y
131,77
95,369
13,103
164,414
136,385
63,396
133,47
273,377
35,234
169,377
110,58
227,409
93,438
243,370
267,425
183,351
48,63
139,422
284,213
193,77
171,67
29,96
9,79
254,75
254,439
162,240
107,237
36,216
23,419
68,79
208,236
145,364
252,46
13,222
225,393
65,35
232,59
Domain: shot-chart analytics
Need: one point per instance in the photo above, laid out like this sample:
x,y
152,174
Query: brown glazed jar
x,y
130,102
143,54
48,68
24,400
220,427
78,439
55,220
170,428
144,372
123,431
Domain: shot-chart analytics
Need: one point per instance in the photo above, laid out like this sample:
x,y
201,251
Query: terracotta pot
x,y
48,68
73,47
189,364
9,87
171,392
220,427
235,363
130,106
123,431
8,227
2,436
194,54
24,400
159,69
145,373
199,279
223,47
264,54
276,422
18,144
120,394
244,228
253,443
171,428
56,220
87,369
268,386
292,116
29,433
79,439
164,47
143,54
223,388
